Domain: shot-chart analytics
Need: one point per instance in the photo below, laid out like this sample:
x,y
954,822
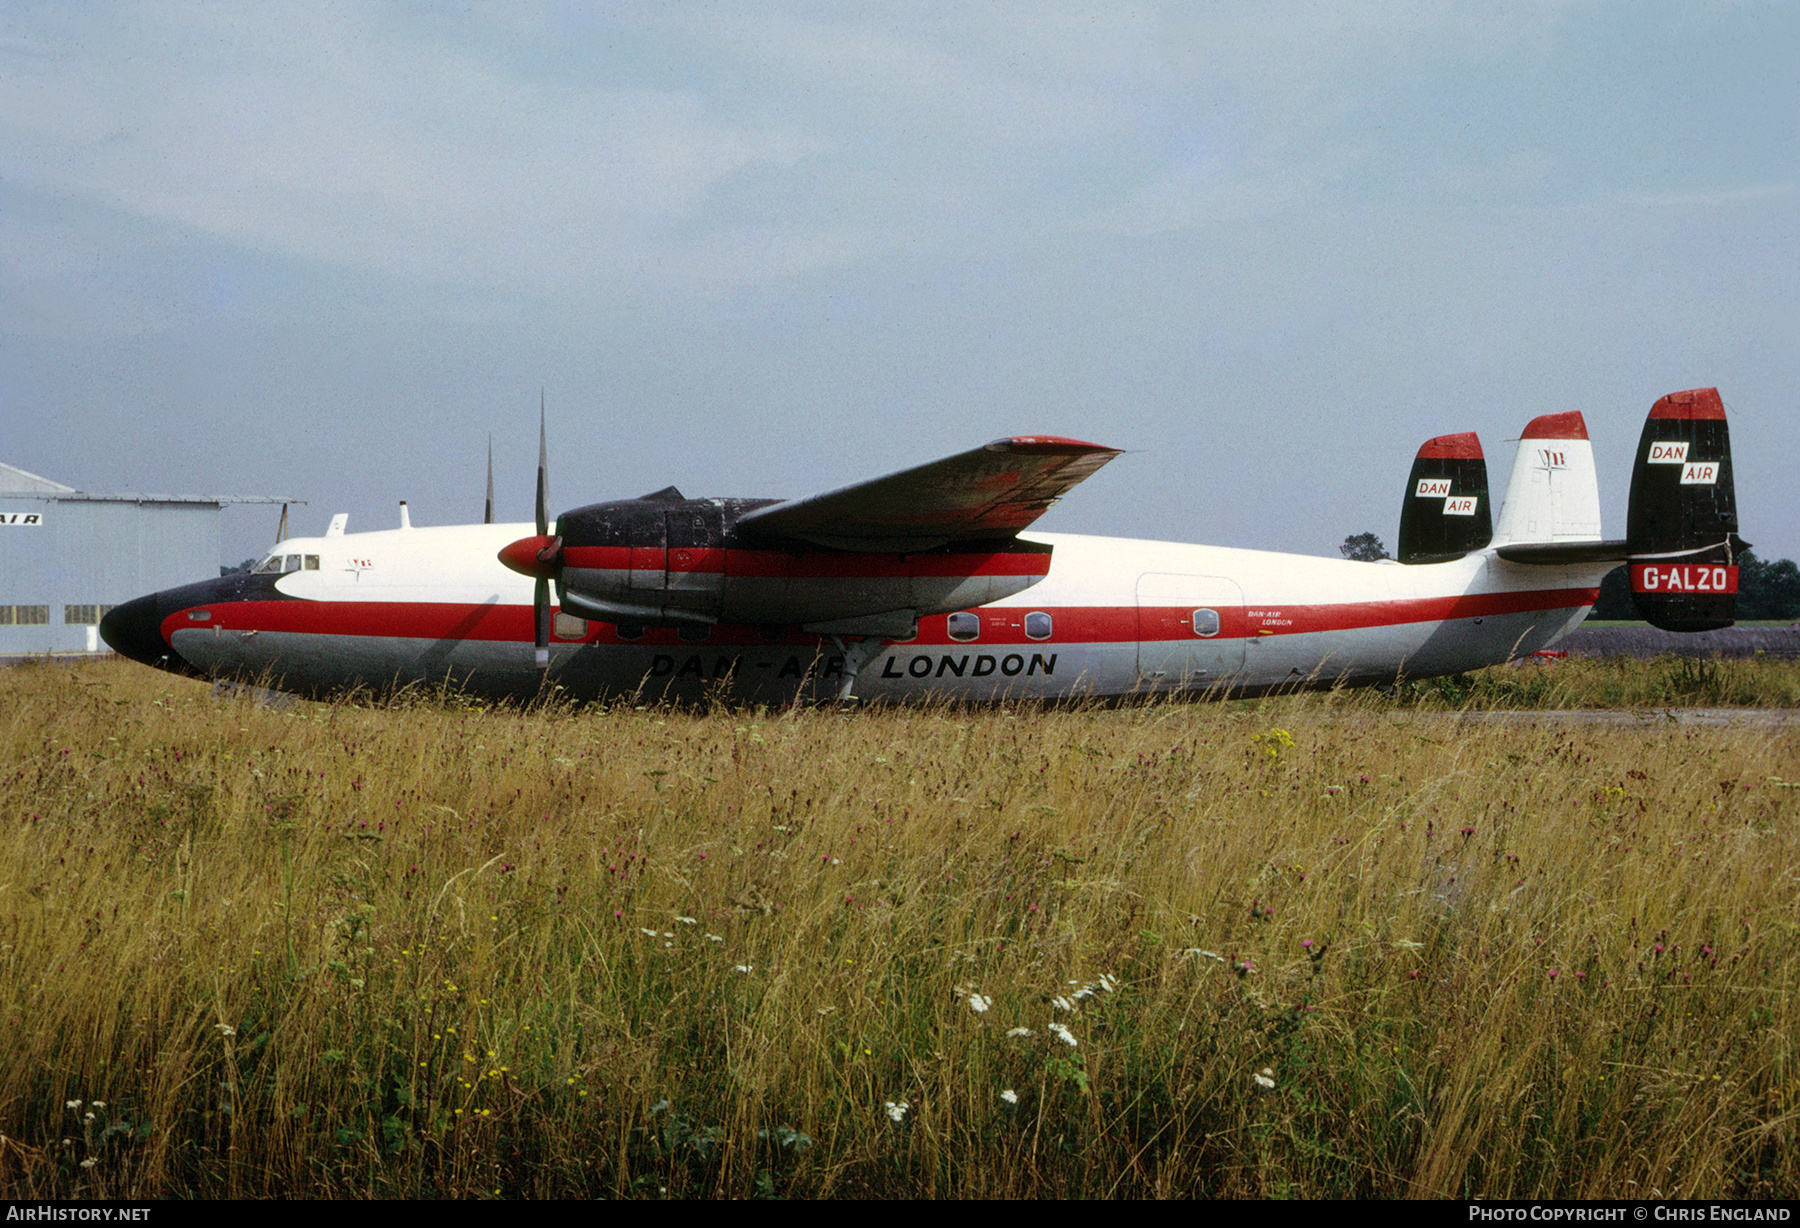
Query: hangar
x,y
67,556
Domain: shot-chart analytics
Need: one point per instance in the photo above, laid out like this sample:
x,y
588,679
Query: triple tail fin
x,y
1682,524
1445,513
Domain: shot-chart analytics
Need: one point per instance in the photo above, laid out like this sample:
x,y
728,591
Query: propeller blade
x,y
540,609
488,516
540,598
543,485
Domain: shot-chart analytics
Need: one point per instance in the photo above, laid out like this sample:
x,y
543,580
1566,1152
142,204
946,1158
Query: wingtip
x,y
1048,445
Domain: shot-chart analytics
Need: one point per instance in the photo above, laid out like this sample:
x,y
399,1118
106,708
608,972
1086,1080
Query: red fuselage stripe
x,y
999,625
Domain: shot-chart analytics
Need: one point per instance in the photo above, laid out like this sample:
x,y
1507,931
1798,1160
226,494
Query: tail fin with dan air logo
x,y
1445,514
1682,524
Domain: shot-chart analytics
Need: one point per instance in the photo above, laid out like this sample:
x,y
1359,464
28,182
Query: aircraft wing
x,y
987,494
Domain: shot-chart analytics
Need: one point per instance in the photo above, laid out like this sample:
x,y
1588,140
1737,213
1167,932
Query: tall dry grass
x,y
1319,946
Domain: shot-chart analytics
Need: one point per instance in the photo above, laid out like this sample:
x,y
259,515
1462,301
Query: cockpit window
x,y
281,564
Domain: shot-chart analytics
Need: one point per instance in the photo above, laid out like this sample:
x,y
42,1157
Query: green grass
x,y
433,949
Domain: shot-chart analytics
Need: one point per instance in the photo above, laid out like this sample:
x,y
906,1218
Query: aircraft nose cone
x,y
135,630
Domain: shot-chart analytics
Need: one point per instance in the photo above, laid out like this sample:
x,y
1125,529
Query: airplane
x,y
923,585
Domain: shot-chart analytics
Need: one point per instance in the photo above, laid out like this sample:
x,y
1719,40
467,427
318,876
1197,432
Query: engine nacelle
x,y
666,560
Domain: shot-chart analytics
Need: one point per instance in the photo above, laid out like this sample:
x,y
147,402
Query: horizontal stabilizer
x,y
1556,554
987,494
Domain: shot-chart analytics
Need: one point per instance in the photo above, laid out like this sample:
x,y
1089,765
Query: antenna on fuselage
x,y
281,529
487,517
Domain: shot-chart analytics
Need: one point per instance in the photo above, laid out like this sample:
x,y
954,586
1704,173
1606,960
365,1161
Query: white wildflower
x,y
746,967
1021,1032
1063,1034
897,1112
89,1162
1061,1003
225,1029
978,1003
1010,1096
1107,983
72,1104
686,921
97,1104
1266,1080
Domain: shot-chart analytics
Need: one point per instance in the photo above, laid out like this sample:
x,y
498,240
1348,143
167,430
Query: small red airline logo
x,y
1432,488
1667,452
1683,578
1550,458
1462,505
1700,473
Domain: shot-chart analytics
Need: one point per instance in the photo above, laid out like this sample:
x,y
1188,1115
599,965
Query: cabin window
x,y
270,566
964,627
568,627
629,631
291,563
1037,625
312,562
1206,623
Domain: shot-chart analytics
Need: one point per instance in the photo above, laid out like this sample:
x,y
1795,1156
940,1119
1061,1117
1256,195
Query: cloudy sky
x,y
325,251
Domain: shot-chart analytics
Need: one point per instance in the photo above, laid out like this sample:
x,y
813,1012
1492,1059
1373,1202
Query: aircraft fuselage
x,y
1112,617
